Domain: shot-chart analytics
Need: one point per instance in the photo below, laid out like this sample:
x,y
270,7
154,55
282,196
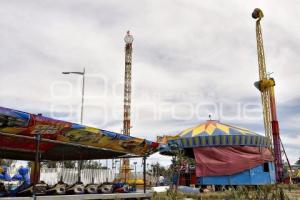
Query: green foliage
x,y
157,169
298,162
169,195
54,164
69,164
266,192
86,164
48,164
260,193
172,195
92,164
6,162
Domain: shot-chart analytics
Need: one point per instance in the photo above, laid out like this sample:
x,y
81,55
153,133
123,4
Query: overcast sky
x,y
190,59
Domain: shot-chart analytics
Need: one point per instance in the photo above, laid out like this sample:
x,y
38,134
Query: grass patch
x,y
272,192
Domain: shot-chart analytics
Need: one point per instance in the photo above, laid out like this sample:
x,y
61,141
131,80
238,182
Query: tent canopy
x,y
213,133
214,128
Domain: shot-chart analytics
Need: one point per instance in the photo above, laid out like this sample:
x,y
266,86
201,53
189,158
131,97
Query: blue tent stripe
x,y
218,140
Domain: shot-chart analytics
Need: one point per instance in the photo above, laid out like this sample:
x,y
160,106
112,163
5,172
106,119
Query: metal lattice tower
x,y
266,86
127,96
127,84
265,93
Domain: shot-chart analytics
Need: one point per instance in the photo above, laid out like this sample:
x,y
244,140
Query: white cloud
x,y
185,52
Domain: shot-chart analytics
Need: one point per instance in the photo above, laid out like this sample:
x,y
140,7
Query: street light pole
x,y
116,167
82,96
81,111
82,90
135,170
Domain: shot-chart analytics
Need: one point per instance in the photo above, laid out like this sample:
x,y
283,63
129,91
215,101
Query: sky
x,y
191,59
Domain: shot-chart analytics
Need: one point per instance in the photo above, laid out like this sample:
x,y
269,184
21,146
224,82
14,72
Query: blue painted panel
x,y
214,180
242,178
272,173
258,176
254,176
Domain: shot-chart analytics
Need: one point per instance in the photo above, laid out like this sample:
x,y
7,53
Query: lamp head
x,y
128,38
257,14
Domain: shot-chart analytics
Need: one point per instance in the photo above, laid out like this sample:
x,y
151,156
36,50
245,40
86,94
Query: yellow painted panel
x,y
223,128
185,132
210,129
198,130
218,140
237,139
196,140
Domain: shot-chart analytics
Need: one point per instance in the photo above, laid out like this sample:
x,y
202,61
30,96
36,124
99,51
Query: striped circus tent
x,y
223,155
214,133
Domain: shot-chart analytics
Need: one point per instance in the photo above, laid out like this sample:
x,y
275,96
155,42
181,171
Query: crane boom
x,y
266,86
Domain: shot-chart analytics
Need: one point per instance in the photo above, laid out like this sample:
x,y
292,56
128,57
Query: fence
x,y
52,175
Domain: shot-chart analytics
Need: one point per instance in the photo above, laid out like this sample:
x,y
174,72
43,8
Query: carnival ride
x,y
266,86
188,141
125,167
223,155
59,140
37,138
25,136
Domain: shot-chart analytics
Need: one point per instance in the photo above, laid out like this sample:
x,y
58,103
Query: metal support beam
x,y
36,165
80,164
144,172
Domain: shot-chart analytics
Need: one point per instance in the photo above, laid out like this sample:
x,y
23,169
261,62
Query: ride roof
x,y
61,140
213,133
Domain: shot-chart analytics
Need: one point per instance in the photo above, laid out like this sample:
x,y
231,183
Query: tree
x,y
298,162
93,164
69,164
157,169
48,164
6,162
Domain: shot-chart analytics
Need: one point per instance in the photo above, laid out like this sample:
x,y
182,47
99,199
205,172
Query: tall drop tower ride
x,y
127,95
266,86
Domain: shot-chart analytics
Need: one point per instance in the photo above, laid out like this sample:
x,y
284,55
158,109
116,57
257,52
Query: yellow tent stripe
x,y
242,130
183,133
210,129
223,128
198,130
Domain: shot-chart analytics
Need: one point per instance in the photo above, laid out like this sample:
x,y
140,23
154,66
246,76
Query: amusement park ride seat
x,y
106,188
58,189
40,189
76,188
91,188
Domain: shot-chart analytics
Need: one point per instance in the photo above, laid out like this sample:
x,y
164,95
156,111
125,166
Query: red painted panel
x,y
217,161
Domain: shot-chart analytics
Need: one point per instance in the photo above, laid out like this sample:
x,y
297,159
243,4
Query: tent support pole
x,y
144,172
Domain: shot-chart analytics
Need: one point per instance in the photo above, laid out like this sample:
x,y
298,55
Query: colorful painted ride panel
x,y
21,123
